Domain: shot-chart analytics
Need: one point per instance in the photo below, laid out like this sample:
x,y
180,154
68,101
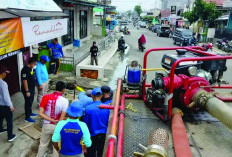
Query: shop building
x,y
21,27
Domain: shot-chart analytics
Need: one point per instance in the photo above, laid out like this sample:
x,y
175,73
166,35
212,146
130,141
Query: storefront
x,y
11,44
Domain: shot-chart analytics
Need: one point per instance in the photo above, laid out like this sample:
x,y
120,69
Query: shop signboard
x,y
211,33
11,36
35,32
173,9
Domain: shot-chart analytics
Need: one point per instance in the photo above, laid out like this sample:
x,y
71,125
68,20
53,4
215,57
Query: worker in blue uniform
x,y
72,132
106,95
97,122
85,98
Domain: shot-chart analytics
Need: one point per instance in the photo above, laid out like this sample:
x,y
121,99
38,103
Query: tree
x,y
138,9
148,18
202,11
129,13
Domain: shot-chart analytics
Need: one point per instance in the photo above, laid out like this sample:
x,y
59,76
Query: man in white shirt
x,y
52,109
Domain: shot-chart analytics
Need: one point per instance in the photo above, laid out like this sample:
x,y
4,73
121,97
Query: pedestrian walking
x,y
52,109
94,51
42,77
28,79
6,106
72,132
56,54
97,122
106,95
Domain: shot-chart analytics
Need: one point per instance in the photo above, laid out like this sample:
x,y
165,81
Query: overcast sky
x,y
124,5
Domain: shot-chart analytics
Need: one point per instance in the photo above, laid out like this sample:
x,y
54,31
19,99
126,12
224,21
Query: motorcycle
x,y
138,27
127,32
122,46
221,43
192,42
227,47
142,47
208,46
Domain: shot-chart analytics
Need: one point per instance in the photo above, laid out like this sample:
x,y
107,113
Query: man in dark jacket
x,y
94,51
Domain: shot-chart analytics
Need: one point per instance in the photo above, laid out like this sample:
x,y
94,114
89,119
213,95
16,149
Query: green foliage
x,y
138,9
202,11
148,18
129,13
190,16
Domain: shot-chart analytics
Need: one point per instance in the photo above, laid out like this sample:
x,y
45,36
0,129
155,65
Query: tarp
x,y
11,36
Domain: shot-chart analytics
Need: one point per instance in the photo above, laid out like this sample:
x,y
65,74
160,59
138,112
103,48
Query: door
x,y
12,79
83,24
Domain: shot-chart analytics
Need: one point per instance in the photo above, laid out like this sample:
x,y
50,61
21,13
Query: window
x,y
83,24
68,38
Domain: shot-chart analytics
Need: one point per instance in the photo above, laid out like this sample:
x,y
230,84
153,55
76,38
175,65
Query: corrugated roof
x,y
6,15
27,13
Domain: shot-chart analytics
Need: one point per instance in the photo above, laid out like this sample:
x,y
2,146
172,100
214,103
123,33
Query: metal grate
x,y
138,126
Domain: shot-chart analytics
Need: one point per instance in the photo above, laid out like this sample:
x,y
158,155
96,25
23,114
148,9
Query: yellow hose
x,y
220,110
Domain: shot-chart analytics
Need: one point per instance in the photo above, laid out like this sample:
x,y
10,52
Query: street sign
x,y
227,4
173,9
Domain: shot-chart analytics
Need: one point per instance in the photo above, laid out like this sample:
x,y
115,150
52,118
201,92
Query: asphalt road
x,y
208,138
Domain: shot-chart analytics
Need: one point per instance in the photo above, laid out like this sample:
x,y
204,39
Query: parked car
x,y
143,25
150,27
122,26
154,28
183,36
163,31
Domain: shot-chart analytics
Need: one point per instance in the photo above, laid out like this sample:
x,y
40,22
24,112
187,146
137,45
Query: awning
x,y
225,17
91,4
6,15
27,13
108,19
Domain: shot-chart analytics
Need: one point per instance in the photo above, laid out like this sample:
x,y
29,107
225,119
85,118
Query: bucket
x,y
77,43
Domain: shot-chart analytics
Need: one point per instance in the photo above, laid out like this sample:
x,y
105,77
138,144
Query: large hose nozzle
x,y
157,144
215,107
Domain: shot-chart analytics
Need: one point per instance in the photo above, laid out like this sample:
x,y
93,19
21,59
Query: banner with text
x,y
11,35
35,32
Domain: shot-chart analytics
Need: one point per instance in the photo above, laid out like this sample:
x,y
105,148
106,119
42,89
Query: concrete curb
x,y
103,59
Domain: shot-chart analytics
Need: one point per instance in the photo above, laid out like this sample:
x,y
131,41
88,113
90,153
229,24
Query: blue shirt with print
x,y
71,132
57,51
96,118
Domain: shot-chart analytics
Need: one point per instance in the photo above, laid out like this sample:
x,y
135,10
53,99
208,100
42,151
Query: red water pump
x,y
186,87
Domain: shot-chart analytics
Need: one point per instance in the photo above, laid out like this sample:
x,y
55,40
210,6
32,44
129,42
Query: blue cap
x,y
75,109
97,91
105,89
45,58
